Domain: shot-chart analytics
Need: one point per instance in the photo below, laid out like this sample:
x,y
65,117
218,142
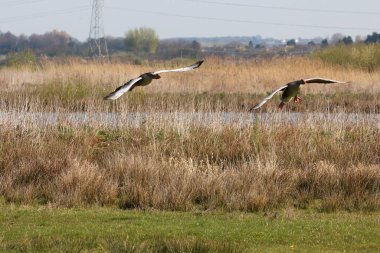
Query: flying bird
x,y
146,79
291,90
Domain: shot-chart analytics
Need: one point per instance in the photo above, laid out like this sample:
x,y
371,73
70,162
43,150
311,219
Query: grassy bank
x,y
99,230
361,56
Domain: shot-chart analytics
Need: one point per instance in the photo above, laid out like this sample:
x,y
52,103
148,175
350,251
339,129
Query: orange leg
x,y
297,99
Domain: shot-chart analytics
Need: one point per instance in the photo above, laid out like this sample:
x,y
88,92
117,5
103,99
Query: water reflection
x,y
184,118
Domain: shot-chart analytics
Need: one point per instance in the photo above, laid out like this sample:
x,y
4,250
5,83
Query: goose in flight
x,y
146,79
291,90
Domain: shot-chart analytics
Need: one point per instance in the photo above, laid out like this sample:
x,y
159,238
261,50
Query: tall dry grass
x,y
324,165
219,85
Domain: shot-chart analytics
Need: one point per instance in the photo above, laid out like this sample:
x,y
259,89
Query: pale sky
x,y
281,19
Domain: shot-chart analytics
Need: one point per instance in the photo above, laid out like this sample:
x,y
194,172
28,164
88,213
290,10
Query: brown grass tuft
x,y
249,169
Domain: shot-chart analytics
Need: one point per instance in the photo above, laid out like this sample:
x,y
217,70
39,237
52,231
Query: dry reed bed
x,y
325,165
174,163
215,75
57,101
219,85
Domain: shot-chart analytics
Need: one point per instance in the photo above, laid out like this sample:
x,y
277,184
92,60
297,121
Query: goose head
x,y
150,76
154,76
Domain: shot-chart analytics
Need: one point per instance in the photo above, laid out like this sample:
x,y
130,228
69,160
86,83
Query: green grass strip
x,y
34,229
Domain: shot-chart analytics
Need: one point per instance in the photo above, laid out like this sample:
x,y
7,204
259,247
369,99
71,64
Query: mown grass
x,y
98,230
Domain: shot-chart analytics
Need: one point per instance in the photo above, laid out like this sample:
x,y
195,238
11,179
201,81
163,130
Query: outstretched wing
x,y
267,98
321,80
122,89
129,85
188,68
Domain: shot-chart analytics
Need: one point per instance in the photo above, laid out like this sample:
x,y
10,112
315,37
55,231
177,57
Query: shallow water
x,y
183,119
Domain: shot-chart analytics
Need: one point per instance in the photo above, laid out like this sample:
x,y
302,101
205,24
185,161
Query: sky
x,y
280,19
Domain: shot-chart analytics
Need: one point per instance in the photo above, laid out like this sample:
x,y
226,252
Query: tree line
x,y
139,42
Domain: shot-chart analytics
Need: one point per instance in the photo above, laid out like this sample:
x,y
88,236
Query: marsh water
x,y
135,119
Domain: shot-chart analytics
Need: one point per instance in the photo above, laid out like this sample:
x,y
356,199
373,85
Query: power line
x,y
20,3
284,8
243,21
43,14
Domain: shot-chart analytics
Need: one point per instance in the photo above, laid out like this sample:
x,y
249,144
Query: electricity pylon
x,y
97,39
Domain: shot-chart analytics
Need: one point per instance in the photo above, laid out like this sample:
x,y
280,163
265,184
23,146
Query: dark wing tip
x,y
111,95
199,63
255,108
108,97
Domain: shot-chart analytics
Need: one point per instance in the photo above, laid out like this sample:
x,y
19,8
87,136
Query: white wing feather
x,y
267,98
122,89
321,80
188,68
